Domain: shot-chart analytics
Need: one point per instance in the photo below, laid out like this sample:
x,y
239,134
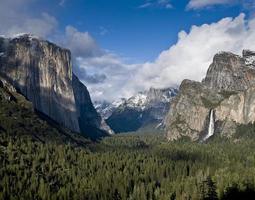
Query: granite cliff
x,y
42,72
19,119
226,95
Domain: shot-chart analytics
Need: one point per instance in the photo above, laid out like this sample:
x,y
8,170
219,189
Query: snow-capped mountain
x,y
143,109
106,108
151,98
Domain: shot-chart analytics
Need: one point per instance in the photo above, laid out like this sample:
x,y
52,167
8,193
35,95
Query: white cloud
x,y
41,26
191,56
198,4
248,5
166,4
145,5
15,17
103,72
116,73
81,43
112,74
108,77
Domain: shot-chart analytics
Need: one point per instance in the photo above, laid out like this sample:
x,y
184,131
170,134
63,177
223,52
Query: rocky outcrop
x,y
42,72
229,72
227,91
146,109
237,109
190,109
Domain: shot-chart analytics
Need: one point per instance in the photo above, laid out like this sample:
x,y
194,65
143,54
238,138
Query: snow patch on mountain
x,y
150,98
105,108
141,101
27,35
249,58
145,109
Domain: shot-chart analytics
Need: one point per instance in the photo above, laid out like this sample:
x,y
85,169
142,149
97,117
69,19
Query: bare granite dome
x,y
230,72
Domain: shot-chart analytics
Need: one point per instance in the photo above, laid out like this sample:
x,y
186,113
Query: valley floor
x,y
127,167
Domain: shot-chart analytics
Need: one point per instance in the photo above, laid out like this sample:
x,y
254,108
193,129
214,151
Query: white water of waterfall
x,y
211,126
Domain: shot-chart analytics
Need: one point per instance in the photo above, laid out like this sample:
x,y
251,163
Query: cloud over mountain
x,y
193,52
15,17
188,58
109,76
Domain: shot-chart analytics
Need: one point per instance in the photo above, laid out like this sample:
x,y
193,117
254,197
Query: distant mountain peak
x,y
144,108
150,97
26,35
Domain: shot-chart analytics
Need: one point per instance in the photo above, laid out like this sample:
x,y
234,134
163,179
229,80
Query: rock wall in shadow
x,y
19,119
90,122
42,72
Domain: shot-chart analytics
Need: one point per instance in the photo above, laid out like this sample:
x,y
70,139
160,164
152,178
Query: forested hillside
x,y
41,160
19,119
128,167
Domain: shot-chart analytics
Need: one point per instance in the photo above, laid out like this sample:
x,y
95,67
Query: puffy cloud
x,y
15,17
42,26
108,77
81,43
105,75
197,4
90,78
191,56
103,72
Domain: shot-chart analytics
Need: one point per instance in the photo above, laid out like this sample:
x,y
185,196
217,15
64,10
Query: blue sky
x,y
120,47
130,30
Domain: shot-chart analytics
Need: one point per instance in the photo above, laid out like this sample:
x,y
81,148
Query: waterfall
x,y
211,126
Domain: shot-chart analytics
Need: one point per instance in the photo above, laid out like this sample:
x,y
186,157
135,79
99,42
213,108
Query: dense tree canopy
x,y
127,167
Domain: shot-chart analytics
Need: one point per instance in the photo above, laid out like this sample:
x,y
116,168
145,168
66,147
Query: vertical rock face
x,y
88,118
229,72
238,108
227,90
42,72
87,115
189,113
